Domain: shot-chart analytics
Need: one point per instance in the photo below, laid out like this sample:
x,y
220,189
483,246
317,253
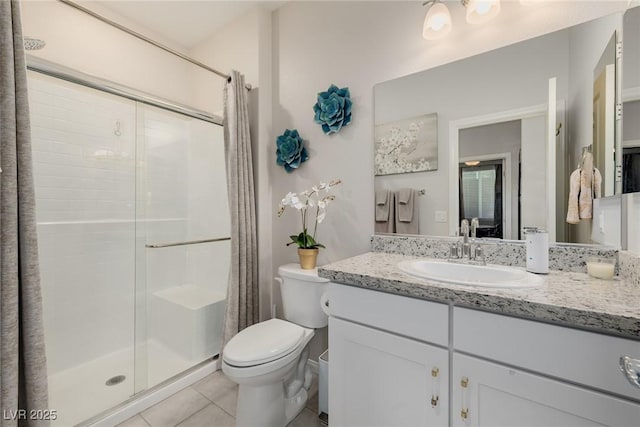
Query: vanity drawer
x,y
579,356
414,318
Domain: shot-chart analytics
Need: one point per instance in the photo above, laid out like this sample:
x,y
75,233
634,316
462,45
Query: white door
x,y
489,394
380,379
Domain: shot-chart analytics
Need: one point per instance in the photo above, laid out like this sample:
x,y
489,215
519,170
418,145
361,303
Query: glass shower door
x,y
183,249
83,144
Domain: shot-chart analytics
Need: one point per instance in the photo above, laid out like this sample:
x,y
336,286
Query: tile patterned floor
x,y
211,402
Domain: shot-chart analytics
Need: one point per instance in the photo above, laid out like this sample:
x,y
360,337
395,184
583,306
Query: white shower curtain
x,y
242,293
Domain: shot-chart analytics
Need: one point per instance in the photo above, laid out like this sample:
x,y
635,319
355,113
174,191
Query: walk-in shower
x,y
133,227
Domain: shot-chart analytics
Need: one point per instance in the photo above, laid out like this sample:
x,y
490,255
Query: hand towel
x,y
585,199
406,198
407,221
389,224
597,183
382,205
573,216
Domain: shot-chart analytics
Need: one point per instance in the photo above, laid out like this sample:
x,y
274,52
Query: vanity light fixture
x,y
472,162
437,22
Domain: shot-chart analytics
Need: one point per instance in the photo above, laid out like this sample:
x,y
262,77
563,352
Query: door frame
x,y
506,183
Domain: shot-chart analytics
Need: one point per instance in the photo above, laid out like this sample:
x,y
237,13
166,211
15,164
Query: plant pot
x,y
308,258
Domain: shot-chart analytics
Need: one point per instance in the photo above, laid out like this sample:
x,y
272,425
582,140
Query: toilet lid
x,y
262,343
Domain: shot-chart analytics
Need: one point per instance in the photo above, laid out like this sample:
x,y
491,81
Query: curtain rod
x,y
146,39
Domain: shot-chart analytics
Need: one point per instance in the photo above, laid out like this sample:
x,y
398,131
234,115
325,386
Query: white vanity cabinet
x,y
538,374
389,373
492,395
504,371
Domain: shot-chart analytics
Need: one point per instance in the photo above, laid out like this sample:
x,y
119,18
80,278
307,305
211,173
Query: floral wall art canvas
x,y
409,145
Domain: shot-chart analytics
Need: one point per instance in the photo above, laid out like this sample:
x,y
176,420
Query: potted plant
x,y
308,201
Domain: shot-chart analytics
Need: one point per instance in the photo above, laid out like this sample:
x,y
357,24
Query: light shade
x,y
437,23
481,11
472,162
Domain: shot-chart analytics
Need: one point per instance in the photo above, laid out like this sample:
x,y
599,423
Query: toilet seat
x,y
263,342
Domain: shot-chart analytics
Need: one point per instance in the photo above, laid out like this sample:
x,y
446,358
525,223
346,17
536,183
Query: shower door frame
x,y
142,398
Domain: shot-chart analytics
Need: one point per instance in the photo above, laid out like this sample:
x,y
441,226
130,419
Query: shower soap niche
x,y
188,320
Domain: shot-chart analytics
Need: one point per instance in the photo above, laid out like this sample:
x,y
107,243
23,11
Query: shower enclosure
x,y
133,227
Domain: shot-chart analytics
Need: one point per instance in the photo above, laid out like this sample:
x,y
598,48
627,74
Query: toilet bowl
x,y
268,360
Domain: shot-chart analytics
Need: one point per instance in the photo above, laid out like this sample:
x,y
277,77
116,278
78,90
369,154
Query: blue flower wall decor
x,y
333,109
290,152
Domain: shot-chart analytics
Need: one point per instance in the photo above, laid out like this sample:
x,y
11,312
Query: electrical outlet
x,y
441,216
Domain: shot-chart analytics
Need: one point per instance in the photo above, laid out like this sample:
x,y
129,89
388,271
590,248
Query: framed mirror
x,y
512,125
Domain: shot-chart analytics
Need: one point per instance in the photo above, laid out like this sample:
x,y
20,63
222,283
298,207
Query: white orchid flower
x,y
321,216
322,204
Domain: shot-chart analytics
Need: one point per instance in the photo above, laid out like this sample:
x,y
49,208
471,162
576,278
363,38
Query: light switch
x,y
441,216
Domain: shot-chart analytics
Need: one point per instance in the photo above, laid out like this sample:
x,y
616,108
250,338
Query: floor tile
x,y
220,390
175,408
211,415
306,418
136,421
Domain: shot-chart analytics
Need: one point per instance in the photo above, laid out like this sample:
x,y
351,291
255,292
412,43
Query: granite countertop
x,y
566,298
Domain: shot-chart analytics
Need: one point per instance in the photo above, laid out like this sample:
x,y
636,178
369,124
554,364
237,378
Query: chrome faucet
x,y
467,249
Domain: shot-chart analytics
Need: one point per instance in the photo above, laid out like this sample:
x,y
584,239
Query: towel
x,y
385,213
573,216
382,205
405,204
585,199
407,217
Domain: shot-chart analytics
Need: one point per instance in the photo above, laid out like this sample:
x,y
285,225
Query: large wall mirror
x,y
518,128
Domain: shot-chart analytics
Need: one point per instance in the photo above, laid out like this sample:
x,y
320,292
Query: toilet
x,y
268,360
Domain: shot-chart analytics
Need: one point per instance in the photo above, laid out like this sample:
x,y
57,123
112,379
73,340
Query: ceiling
x,y
183,22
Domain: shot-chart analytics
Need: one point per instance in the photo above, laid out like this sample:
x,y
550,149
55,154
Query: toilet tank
x,y
301,292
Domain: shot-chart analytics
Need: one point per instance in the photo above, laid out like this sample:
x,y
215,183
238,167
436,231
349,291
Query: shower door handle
x,y
190,242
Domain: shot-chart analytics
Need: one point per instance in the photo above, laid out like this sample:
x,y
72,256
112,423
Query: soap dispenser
x,y
537,250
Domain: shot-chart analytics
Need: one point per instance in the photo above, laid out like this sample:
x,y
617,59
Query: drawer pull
x,y
435,387
464,413
630,367
464,382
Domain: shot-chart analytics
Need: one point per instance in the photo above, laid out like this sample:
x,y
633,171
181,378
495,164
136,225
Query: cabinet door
x,y
489,394
381,379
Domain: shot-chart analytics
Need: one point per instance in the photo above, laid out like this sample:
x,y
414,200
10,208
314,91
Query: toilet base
x,y
261,406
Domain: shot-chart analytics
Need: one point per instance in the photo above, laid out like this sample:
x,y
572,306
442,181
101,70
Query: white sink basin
x,y
490,276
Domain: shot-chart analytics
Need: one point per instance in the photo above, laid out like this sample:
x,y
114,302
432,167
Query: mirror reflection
x,y
513,125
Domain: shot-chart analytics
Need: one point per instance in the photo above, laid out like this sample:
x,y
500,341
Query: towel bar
x,y
191,242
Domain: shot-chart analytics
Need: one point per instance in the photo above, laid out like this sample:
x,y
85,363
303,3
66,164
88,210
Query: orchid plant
x,y
319,198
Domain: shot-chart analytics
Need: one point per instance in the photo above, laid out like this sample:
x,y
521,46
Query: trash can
x,y
323,389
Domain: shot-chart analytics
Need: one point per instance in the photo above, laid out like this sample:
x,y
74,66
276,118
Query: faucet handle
x,y
464,227
475,223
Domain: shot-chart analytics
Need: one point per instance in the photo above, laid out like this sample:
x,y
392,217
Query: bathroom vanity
x,y
407,351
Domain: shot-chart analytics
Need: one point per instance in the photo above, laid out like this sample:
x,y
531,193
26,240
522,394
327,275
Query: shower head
x,y
33,44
